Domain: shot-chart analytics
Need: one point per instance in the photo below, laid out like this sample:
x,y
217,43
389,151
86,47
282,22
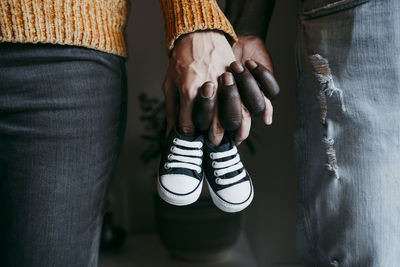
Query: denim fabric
x,y
347,137
62,119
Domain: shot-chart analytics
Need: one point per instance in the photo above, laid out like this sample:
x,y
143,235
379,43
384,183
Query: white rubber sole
x,y
179,200
229,207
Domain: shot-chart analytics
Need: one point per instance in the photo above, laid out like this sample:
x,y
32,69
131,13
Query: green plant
x,y
154,122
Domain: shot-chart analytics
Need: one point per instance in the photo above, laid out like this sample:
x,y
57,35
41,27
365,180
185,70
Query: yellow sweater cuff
x,y
186,16
94,24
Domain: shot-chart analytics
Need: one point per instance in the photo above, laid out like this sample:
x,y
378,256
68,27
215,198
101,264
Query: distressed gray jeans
x,y
347,136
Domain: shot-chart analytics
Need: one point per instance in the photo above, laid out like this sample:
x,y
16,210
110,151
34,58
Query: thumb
x,y
186,125
203,106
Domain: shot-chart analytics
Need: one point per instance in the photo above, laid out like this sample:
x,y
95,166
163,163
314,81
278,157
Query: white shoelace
x,y
185,158
224,167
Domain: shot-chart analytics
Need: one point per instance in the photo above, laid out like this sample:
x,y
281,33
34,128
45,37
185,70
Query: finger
x,y
185,124
171,100
267,117
250,93
267,81
216,132
203,107
229,104
244,130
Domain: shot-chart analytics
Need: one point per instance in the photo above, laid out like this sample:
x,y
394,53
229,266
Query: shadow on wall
x,y
270,221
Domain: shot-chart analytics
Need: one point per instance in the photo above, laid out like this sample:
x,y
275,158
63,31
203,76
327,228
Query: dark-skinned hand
x,y
252,47
253,83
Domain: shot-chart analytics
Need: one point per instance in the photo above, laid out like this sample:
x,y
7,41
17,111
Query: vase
x,y
197,232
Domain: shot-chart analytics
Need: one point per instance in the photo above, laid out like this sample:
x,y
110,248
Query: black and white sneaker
x,y
230,185
180,178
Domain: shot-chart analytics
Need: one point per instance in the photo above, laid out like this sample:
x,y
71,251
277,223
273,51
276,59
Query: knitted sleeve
x,y
186,16
97,25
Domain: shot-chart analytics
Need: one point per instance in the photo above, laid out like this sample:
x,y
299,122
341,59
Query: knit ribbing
x,y
185,16
96,24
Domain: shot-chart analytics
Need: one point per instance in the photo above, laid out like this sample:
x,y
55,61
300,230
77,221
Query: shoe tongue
x,y
187,137
226,144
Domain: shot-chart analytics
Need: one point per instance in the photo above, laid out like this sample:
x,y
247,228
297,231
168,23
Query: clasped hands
x,y
211,86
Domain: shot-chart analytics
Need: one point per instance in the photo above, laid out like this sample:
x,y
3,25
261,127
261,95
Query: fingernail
x,y
251,64
227,78
237,67
207,90
269,120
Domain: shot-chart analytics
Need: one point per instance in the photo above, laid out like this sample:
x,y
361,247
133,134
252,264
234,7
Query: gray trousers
x,y
347,137
62,119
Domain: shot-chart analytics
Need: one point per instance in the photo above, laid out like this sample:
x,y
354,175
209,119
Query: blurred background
x,y
268,230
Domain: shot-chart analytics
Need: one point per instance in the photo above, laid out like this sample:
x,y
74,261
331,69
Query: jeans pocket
x,y
320,8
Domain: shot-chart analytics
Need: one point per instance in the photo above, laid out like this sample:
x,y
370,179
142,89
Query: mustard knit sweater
x,y
100,24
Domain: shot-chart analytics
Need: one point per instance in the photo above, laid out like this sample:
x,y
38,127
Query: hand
x,y
251,47
197,58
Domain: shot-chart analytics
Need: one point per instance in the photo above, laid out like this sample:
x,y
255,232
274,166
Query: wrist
x,y
250,38
193,15
198,45
210,35
244,30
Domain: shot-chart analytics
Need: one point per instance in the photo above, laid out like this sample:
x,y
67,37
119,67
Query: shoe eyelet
x,y
213,164
215,173
211,155
169,156
200,162
175,140
217,180
166,166
172,149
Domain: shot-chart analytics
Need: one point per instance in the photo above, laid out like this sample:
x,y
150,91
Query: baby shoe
x,y
180,177
230,185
